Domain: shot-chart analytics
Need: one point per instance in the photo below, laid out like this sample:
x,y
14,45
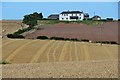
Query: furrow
x,y
7,50
76,54
59,51
63,52
70,50
55,51
43,57
86,52
39,52
17,50
25,55
50,52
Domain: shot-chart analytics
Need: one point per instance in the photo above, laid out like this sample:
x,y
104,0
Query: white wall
x,y
64,17
80,16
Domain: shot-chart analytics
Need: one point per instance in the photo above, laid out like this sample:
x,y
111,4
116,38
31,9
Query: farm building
x,y
71,15
53,16
86,16
96,17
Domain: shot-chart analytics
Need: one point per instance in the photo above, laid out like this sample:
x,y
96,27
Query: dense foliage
x,y
15,36
75,39
31,19
42,37
20,31
4,62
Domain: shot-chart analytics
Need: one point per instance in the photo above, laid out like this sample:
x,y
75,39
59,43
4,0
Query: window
x,y
67,18
65,14
62,18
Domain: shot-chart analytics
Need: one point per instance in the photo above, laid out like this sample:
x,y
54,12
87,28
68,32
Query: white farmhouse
x,y
71,15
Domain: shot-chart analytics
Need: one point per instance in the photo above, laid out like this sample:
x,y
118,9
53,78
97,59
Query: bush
x,y
42,37
57,38
113,42
103,20
67,39
15,36
107,42
74,39
109,19
20,31
84,40
4,62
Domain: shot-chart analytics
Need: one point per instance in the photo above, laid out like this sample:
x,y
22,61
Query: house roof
x,y
68,12
86,15
53,16
96,16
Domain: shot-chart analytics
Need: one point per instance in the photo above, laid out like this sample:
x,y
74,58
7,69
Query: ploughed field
x,y
79,31
36,51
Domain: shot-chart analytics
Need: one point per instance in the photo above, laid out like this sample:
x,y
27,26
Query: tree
x,y
40,15
109,19
31,19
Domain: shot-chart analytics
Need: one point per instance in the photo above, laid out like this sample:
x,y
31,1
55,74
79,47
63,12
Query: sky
x,y
16,10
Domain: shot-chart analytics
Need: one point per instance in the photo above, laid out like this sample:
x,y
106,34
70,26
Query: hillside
x,y
10,26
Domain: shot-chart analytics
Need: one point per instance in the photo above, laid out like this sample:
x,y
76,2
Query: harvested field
x,y
37,51
10,26
80,31
62,59
77,69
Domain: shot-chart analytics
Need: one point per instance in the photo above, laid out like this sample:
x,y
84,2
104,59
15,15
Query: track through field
x,y
36,51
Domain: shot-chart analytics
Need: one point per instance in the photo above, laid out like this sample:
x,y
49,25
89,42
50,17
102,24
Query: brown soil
x,y
80,31
81,69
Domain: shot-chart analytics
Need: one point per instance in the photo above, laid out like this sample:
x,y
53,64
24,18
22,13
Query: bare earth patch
x,y
80,31
82,69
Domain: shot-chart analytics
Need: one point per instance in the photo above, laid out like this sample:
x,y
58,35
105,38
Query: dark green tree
x,y
31,19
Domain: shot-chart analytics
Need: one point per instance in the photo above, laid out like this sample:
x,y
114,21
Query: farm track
x,y
36,51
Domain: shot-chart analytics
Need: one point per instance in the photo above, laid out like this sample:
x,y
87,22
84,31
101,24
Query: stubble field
x,y
10,26
36,51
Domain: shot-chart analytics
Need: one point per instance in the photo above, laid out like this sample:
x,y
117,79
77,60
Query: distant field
x,y
79,30
36,51
52,22
10,26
